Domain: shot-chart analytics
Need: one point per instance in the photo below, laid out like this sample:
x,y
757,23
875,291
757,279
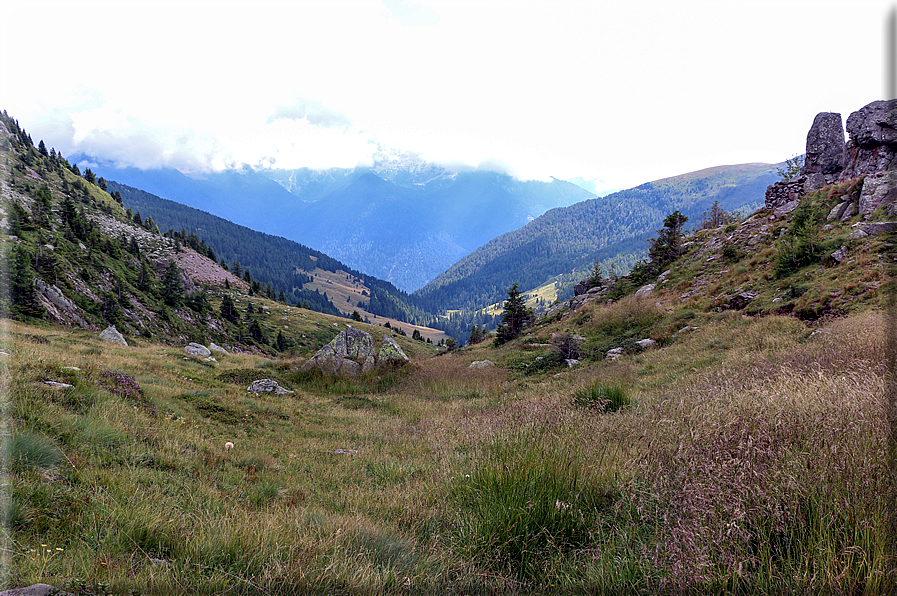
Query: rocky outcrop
x,y
59,308
878,189
112,334
873,139
871,148
826,154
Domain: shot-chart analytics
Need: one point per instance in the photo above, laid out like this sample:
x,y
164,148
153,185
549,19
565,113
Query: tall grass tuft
x,y
607,397
27,449
528,502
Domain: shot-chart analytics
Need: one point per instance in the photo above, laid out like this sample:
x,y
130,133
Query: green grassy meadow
x,y
748,455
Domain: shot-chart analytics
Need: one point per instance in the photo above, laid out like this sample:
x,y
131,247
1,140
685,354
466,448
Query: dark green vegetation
x,y
515,317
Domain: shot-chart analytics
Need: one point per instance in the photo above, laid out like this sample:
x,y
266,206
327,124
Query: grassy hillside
x,y
443,479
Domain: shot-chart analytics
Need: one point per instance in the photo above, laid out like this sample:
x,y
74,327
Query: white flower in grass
x,y
228,446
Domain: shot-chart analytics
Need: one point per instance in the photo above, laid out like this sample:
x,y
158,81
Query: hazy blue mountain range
x,y
612,229
405,222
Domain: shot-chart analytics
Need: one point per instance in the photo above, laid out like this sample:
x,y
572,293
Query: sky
x,y
615,92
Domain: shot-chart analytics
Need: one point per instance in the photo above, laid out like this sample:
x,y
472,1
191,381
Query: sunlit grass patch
x,y
527,501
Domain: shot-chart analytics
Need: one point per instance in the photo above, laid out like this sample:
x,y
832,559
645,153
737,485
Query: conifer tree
x,y
172,287
21,286
229,311
515,317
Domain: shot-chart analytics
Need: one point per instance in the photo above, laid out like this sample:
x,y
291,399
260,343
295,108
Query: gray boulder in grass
x,y
112,334
391,351
350,353
195,349
267,386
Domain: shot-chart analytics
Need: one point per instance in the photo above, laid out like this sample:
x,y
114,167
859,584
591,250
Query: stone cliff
x,y
870,150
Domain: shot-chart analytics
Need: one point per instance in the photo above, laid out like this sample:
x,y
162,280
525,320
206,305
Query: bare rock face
x,y
878,189
873,139
59,308
825,149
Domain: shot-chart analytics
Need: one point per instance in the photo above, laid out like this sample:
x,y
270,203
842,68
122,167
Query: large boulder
x,y
350,353
112,334
872,146
390,351
198,350
482,364
825,149
878,189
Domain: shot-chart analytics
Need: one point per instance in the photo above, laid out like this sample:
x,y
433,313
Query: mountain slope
x,y
80,257
612,229
406,229
283,263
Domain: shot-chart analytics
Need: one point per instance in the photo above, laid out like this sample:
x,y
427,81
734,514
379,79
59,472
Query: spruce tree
x,y
21,285
229,311
172,287
515,317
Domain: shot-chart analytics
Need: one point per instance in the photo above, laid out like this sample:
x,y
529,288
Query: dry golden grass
x,y
750,431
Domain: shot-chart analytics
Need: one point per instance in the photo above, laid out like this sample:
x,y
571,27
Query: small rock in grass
x,y
267,386
57,385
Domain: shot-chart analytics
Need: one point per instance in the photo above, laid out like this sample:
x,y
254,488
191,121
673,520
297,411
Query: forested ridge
x,y
270,259
612,229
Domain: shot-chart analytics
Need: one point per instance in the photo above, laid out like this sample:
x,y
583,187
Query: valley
x,y
712,419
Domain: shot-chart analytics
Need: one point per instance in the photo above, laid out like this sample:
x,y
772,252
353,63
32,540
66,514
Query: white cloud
x,y
624,92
